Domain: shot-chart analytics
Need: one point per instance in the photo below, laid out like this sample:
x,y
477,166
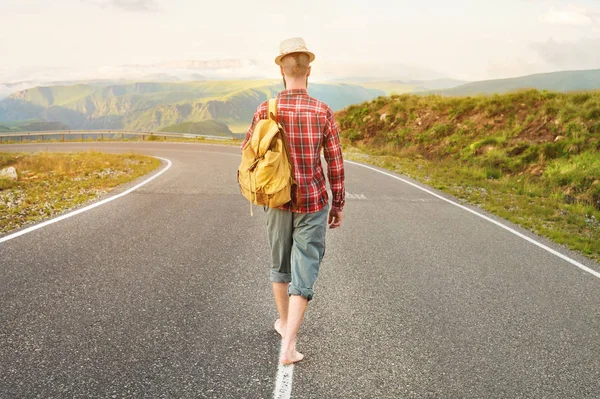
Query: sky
x,y
464,39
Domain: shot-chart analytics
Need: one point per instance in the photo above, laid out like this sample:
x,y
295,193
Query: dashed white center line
x,y
355,196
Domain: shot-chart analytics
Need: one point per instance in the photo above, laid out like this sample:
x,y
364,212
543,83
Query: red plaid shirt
x,y
309,125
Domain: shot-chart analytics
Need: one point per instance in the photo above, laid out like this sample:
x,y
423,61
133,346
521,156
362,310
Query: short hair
x,y
295,65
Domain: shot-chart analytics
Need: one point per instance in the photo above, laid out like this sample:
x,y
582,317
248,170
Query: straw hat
x,y
293,45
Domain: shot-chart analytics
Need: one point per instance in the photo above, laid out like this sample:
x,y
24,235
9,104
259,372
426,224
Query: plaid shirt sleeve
x,y
332,150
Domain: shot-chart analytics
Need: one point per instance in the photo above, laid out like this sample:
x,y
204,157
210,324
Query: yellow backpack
x,y
266,173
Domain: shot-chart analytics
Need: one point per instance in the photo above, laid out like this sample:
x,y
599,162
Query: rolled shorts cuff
x,y
306,293
278,277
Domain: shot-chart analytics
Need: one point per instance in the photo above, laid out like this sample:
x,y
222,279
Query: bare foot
x,y
291,355
279,327
295,357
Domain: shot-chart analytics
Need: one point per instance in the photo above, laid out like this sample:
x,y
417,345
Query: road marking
x,y
87,208
355,196
511,230
283,384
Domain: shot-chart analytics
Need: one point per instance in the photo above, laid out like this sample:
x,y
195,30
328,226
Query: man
x,y
297,233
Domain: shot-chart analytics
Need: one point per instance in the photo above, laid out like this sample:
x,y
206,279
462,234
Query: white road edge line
x,y
513,231
283,383
87,208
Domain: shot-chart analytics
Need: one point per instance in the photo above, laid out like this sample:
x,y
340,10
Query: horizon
x,y
466,40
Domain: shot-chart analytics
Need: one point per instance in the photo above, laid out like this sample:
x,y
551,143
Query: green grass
x,y
51,183
530,157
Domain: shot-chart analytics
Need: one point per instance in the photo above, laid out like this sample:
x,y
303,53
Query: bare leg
x,y
297,307
280,292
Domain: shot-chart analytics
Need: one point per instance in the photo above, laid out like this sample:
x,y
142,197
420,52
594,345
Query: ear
x,y
281,68
308,71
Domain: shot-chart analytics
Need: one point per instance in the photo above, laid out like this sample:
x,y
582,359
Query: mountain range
x,y
152,106
324,71
230,104
564,81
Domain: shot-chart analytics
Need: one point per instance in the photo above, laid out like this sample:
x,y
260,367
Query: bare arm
x,y
332,150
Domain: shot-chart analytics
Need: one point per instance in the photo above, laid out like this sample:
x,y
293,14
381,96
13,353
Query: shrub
x,y
580,98
442,129
531,154
398,136
518,149
153,137
552,150
574,129
498,159
551,110
568,112
492,173
593,114
578,172
354,135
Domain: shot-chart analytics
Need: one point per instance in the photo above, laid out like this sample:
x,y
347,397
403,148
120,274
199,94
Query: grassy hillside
x,y
48,184
556,81
153,106
209,128
532,157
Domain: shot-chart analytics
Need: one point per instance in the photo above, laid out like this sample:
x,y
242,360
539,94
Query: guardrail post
x,y
82,137
142,137
122,136
101,136
62,136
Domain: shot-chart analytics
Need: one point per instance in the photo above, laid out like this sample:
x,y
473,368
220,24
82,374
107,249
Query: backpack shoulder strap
x,y
256,140
272,109
296,195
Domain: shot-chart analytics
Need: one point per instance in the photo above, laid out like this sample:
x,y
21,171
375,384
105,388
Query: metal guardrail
x,y
102,135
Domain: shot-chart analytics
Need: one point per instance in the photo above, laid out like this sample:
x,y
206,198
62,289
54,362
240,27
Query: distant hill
x,y
435,84
156,105
208,128
43,126
412,86
556,81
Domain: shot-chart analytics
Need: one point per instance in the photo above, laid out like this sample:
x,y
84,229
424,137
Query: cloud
x,y
582,54
131,5
573,15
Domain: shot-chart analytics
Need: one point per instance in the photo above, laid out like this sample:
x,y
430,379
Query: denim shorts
x,y
297,243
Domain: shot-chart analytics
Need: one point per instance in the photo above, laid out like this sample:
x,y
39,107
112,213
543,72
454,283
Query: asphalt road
x,y
164,293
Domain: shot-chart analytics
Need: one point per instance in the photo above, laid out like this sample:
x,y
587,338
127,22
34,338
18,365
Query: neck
x,y
292,84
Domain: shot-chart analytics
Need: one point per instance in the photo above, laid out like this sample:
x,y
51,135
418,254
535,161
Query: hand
x,y
335,218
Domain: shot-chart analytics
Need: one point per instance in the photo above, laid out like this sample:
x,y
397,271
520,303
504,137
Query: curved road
x,y
164,293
